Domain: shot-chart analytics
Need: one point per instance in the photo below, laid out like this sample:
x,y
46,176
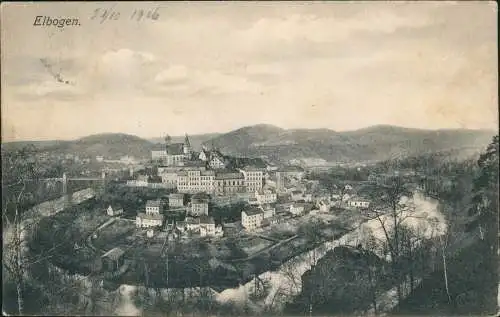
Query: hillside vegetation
x,y
109,145
371,144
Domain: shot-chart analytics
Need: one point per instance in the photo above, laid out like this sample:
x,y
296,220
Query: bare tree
x,y
291,276
392,206
18,169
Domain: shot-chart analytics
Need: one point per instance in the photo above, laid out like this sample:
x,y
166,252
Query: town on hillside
x,y
271,194
206,221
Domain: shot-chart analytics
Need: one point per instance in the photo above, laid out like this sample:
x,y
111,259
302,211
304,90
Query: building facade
x,y
229,183
172,154
217,160
192,224
251,218
199,204
114,210
154,207
297,209
254,178
175,200
358,203
153,216
194,180
266,196
113,259
207,226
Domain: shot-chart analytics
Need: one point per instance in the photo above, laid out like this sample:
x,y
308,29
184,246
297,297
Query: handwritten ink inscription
x,y
110,14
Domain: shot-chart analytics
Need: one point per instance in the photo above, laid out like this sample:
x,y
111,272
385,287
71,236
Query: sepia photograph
x,y
250,158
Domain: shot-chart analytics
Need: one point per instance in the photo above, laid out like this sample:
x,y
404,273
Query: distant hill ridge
x,y
374,143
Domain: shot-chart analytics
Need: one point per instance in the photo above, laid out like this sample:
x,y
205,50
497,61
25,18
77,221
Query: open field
x,y
68,231
118,234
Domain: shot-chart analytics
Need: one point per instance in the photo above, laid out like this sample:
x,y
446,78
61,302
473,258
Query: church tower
x,y
187,147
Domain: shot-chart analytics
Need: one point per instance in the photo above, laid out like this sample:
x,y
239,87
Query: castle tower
x,y
187,147
168,140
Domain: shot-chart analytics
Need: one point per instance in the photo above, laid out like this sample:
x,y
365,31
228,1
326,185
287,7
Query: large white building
x,y
358,202
229,183
199,204
208,227
114,210
297,209
153,216
266,196
168,178
154,206
255,217
195,180
251,218
192,224
254,178
175,200
217,160
172,154
268,211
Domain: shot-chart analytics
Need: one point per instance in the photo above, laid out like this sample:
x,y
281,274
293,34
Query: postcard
x,y
221,158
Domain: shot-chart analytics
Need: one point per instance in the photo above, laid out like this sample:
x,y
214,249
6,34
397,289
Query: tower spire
x,y
187,147
167,139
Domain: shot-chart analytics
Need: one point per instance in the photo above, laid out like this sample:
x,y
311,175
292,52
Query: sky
x,y
214,67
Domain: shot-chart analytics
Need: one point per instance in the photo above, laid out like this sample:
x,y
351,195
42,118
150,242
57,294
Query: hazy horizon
x,y
213,67
494,131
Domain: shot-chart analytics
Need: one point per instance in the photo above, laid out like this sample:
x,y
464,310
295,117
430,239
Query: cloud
x,y
308,27
116,71
126,58
52,87
174,73
179,78
265,69
49,89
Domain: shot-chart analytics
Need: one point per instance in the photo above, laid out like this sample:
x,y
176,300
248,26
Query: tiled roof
x,y
114,253
267,207
150,217
292,168
194,164
358,198
191,220
175,149
229,175
252,168
158,148
199,201
176,196
206,220
253,211
153,203
201,196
